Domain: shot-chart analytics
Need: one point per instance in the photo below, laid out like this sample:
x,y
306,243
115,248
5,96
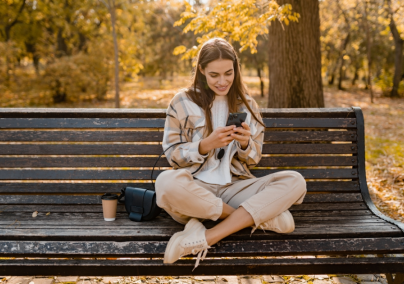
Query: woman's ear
x,y
200,69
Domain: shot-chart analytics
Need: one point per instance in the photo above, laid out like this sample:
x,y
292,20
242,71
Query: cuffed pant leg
x,y
183,198
267,197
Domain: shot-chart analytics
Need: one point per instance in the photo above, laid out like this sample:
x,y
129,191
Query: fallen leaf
x,y
34,215
47,213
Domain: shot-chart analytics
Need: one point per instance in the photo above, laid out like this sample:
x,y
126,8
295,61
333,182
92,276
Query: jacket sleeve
x,y
253,153
181,155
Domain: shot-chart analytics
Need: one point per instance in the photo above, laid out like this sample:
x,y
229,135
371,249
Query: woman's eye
x,y
216,75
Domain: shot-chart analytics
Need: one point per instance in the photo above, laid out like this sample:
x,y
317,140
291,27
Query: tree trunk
x,y
356,75
341,59
368,52
398,57
261,81
116,51
295,59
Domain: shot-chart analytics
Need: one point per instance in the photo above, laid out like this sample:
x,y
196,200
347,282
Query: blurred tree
x,y
111,6
10,13
398,48
256,61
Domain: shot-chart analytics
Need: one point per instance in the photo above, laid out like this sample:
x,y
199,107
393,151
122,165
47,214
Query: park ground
x,y
258,279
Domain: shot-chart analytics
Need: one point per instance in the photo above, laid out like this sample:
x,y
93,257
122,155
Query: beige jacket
x,y
185,122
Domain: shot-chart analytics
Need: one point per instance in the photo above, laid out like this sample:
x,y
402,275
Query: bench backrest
x,y
61,159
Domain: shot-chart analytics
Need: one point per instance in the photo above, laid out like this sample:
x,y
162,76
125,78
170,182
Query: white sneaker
x,y
191,240
283,223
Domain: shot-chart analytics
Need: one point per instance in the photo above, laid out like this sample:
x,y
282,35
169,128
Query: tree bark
x,y
398,57
341,58
368,51
259,74
116,51
295,59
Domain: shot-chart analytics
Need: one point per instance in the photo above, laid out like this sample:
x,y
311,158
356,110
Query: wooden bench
x,y
59,162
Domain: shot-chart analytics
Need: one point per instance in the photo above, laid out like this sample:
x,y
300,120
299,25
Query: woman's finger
x,y
240,137
245,126
242,131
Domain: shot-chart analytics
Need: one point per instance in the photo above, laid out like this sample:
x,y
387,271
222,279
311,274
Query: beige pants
x,y
184,197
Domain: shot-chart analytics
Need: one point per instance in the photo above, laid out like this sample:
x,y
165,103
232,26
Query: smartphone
x,y
236,118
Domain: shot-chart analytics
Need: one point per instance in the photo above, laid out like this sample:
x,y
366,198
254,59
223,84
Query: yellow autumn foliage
x,y
241,21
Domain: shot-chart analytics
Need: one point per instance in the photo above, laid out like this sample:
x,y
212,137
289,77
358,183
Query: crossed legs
x,y
257,200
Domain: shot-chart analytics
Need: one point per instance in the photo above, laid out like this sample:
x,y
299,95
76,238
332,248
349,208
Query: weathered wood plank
x,y
225,249
68,187
29,174
309,149
90,113
300,136
82,136
160,113
88,219
49,162
80,149
40,187
74,162
145,149
21,123
310,122
97,208
307,161
131,233
208,267
96,199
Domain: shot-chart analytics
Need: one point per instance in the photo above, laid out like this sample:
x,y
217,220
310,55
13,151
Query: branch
x,y
9,26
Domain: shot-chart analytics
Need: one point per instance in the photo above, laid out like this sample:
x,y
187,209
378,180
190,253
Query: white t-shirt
x,y
218,171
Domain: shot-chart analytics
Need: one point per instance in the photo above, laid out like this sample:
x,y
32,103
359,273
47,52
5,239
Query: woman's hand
x,y
220,137
242,135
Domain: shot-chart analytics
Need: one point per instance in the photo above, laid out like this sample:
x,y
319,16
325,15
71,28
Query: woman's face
x,y
219,75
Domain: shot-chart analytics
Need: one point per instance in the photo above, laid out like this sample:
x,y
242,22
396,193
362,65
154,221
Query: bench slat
x,y
312,186
300,136
160,113
157,136
49,162
82,136
209,267
21,123
128,149
145,174
121,208
226,248
96,199
122,218
310,123
130,233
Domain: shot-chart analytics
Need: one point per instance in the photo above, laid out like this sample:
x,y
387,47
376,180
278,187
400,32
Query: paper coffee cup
x,y
109,204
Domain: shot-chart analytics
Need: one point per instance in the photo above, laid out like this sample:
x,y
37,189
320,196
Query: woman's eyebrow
x,y
211,72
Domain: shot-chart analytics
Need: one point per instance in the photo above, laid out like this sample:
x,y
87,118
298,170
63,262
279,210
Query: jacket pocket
x,y
193,127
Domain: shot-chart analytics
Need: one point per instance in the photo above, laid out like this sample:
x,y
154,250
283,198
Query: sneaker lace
x,y
201,251
254,228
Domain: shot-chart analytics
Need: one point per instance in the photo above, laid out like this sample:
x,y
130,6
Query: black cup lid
x,y
109,196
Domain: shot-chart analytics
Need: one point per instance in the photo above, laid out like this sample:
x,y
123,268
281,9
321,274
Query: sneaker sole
x,y
176,239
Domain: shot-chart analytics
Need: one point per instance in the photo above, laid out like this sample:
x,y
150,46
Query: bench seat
x,y
59,162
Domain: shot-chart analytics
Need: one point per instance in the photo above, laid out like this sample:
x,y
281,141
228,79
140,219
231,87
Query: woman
x,y
207,183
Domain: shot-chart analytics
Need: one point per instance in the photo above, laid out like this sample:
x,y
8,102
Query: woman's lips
x,y
222,88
